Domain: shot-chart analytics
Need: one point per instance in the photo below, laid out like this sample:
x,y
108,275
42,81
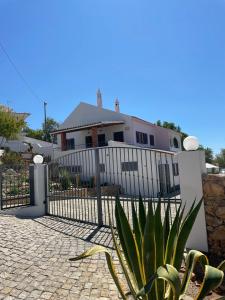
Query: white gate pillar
x,y
191,168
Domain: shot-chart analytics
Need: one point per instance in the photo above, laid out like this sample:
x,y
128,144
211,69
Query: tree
x,y
208,154
43,133
220,158
34,133
10,125
51,125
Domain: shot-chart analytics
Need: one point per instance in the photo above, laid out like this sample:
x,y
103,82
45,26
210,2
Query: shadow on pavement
x,y
87,232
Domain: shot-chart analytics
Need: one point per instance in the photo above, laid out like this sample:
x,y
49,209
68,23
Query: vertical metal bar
x,y
1,207
98,187
46,190
31,181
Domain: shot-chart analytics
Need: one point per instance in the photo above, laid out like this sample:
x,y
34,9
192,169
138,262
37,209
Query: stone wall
x,y
214,201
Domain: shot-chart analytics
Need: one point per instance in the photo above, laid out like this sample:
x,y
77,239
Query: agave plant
x,y
151,251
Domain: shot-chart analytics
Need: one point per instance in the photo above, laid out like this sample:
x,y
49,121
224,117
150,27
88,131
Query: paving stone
x,y
34,262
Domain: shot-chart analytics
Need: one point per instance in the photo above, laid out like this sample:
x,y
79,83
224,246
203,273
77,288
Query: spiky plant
x,y
151,252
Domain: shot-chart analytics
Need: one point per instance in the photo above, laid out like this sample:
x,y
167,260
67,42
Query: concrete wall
x,y
191,169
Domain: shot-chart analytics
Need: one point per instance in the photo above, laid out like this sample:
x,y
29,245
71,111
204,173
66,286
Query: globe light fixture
x,y
191,143
38,159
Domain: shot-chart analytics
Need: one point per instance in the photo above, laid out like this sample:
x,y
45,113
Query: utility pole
x,y
45,120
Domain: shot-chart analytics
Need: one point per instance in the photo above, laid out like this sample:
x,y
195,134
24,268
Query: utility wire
x,y
31,90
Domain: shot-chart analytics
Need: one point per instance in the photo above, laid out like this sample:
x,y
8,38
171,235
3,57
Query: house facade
x,y
90,126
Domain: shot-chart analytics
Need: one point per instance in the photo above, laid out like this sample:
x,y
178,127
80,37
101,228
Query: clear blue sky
x,y
162,59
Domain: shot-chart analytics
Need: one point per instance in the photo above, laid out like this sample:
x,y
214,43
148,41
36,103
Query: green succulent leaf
x,y
222,266
212,279
149,248
137,229
192,259
167,273
142,214
172,238
184,233
129,244
159,242
100,249
128,275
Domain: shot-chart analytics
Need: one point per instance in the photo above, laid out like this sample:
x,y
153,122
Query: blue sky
x,y
162,59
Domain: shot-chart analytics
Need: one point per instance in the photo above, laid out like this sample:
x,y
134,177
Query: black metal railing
x,y
83,185
14,185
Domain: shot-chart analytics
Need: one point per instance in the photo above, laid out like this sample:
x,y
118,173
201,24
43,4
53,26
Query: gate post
x,y
46,189
191,169
98,187
1,202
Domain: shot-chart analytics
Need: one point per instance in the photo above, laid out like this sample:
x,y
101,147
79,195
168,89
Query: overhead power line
x,y
28,86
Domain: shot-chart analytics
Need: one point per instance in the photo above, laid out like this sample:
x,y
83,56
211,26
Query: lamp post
x,y
191,143
38,159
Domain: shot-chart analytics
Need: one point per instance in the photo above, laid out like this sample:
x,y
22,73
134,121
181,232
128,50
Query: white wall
x,y
86,114
145,180
192,167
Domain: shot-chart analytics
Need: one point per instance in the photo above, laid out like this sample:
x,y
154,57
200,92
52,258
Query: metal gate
x,y
14,185
83,185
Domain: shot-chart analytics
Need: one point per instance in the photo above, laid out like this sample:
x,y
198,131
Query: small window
x,y
129,166
175,143
70,144
102,168
101,140
152,140
118,136
175,169
88,141
141,138
76,169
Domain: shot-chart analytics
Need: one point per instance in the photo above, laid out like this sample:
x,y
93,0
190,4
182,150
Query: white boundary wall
x,y
191,168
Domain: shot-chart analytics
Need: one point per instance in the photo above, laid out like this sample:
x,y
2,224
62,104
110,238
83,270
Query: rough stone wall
x,y
214,201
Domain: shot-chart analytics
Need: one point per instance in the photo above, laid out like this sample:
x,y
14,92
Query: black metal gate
x,y
14,185
83,185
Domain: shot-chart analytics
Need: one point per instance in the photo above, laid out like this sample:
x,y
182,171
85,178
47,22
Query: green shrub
x,y
65,179
14,191
92,182
11,158
151,252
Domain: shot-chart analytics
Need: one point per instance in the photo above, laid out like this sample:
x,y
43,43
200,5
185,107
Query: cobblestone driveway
x,y
34,260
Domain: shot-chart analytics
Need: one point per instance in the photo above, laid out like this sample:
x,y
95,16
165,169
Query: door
x,y
164,179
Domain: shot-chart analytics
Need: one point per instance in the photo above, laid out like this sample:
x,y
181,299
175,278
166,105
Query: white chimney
x,y
117,105
99,99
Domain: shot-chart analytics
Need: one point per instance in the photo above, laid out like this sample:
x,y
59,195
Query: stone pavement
x,y
34,260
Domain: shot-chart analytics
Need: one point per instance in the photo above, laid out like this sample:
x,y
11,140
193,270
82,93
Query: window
x,y
152,140
129,166
102,168
88,141
175,169
141,138
101,140
70,144
76,169
118,136
175,143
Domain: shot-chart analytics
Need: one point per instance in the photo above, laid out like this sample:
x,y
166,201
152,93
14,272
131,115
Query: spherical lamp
x,y
38,159
191,143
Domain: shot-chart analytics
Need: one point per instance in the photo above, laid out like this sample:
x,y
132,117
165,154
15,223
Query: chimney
x,y
99,99
117,105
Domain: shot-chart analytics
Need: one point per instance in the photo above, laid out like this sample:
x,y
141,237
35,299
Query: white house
x,y
24,144
212,169
91,126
